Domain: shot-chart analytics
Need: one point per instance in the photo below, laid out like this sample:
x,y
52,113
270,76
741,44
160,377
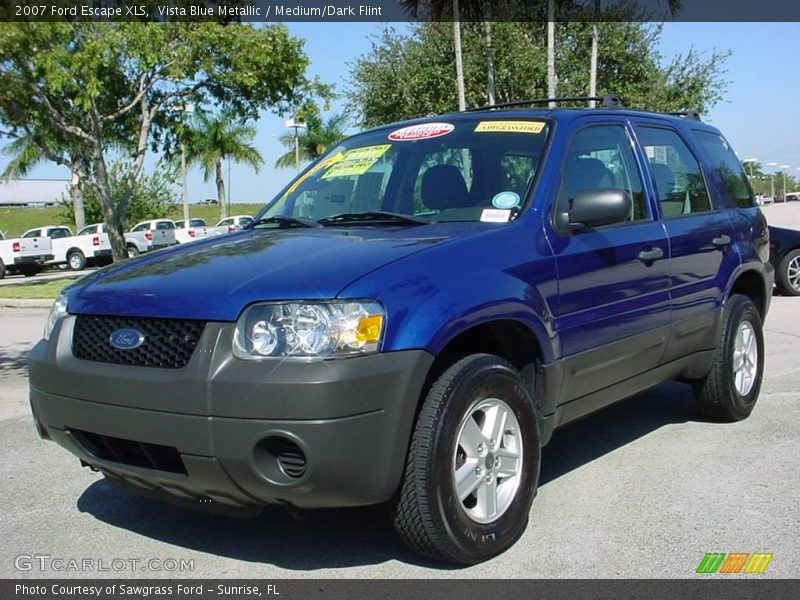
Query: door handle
x,y
721,241
650,256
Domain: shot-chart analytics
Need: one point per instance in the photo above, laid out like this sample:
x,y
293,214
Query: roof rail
x,y
689,113
607,101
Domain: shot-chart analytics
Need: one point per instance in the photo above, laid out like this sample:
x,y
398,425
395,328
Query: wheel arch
x,y
750,282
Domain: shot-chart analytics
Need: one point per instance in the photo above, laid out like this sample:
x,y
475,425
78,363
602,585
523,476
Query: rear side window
x,y
727,167
88,230
59,233
165,225
677,178
140,227
33,233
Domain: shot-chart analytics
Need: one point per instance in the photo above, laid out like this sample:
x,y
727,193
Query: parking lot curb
x,y
25,303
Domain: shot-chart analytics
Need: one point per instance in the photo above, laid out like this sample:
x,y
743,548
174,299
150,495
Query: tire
x,y
2,269
133,252
730,390
427,512
788,275
76,260
29,271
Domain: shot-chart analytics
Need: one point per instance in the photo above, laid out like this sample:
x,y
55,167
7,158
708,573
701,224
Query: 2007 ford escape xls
x,y
412,317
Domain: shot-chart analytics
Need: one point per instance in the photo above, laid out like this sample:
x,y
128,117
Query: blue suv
x,y
414,315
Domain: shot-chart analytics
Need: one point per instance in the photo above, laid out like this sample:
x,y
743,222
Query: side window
x,y
165,225
727,167
245,221
141,227
676,175
601,157
59,233
88,230
33,233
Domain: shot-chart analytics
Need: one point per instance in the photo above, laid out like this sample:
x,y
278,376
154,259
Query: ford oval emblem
x,y
126,339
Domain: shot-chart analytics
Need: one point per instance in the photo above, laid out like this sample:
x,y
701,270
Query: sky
x,y
759,115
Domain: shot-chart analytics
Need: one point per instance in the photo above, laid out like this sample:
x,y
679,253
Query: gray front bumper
x,y
352,418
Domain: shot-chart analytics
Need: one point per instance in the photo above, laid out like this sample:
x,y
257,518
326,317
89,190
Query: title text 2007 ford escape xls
x,y
412,317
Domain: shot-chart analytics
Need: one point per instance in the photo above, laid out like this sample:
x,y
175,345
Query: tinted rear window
x,y
727,167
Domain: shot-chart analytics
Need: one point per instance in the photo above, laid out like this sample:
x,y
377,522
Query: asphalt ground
x,y
642,489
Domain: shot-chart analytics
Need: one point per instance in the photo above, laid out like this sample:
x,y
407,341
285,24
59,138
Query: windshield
x,y
469,170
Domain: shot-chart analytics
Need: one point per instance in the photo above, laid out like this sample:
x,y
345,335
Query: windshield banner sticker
x,y
356,161
425,131
318,167
510,126
495,215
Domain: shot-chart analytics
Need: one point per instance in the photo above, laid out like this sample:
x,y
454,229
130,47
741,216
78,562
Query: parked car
x,y
235,223
27,256
414,315
192,230
150,235
784,254
74,251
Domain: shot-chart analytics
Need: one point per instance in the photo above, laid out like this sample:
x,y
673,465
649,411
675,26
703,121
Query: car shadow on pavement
x,y
13,364
338,538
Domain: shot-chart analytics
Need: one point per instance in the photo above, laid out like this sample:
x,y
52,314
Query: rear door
x,y
700,235
613,300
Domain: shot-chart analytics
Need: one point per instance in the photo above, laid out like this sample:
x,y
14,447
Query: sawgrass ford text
x,y
167,10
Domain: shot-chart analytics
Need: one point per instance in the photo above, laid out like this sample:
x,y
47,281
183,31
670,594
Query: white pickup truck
x,y
235,223
191,230
76,251
150,235
24,255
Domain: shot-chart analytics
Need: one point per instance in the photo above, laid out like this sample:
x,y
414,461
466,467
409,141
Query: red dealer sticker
x,y
424,131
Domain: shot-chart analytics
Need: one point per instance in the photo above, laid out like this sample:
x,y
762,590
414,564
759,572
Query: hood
x,y
216,279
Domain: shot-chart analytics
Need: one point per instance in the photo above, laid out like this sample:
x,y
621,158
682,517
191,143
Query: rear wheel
x,y
2,269
788,275
473,466
76,260
133,252
730,390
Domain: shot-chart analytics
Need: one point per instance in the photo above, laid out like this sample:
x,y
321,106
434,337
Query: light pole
x,y
293,123
186,109
750,161
783,168
771,180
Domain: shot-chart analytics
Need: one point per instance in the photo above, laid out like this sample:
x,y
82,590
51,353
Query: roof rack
x,y
607,101
689,113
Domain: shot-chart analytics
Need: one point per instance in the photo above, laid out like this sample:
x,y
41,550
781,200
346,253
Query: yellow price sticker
x,y
510,127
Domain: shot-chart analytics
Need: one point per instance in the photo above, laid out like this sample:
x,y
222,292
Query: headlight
x,y
306,329
57,312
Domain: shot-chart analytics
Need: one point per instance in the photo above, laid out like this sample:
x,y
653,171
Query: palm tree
x,y
24,156
318,136
212,139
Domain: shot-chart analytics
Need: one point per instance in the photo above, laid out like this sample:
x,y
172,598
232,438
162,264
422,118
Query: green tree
x,y
406,75
101,86
319,135
214,138
153,195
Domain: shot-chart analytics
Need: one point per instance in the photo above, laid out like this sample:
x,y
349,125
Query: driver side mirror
x,y
595,208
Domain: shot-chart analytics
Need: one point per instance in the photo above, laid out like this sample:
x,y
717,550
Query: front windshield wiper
x,y
285,221
374,216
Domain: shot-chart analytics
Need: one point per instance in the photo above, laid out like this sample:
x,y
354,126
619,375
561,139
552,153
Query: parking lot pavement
x,y
642,489
786,214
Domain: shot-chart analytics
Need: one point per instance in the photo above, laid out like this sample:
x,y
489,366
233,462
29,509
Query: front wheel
x,y
730,390
788,275
473,466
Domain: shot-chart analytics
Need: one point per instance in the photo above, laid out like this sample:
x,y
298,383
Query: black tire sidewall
x,y
484,378
742,309
132,251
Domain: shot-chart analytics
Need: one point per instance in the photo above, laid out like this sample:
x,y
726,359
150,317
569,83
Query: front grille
x,y
168,343
128,452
